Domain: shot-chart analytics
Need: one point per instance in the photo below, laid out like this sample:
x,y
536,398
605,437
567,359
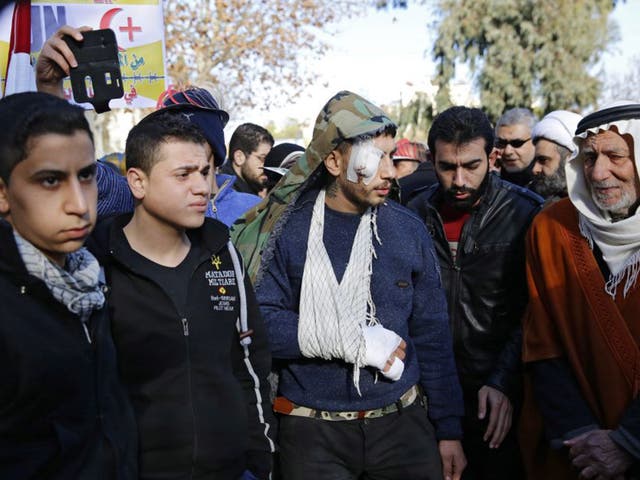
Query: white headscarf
x,y
559,127
619,242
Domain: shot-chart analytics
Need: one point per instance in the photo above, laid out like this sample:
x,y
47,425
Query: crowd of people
x,y
362,308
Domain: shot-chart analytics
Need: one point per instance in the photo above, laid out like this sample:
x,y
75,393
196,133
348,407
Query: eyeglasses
x,y
516,143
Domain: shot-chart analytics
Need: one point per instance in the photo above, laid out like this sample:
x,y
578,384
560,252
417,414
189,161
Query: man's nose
x,y
537,168
387,168
601,168
76,202
201,185
459,179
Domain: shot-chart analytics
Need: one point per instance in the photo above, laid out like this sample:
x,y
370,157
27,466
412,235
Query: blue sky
x,y
384,55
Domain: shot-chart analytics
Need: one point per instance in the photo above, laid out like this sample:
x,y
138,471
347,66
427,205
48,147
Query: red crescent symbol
x,y
107,18
105,21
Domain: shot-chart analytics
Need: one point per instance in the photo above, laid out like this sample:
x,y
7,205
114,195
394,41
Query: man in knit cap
x,y
191,345
350,292
553,140
581,335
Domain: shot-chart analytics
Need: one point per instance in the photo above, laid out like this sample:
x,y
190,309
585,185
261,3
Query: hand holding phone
x,y
97,78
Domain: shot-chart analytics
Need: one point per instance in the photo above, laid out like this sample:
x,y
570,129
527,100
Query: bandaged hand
x,y
385,350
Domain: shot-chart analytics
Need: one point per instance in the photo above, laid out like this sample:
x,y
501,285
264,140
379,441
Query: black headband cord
x,y
608,115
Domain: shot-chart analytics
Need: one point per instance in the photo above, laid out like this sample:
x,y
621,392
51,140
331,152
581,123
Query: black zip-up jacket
x,y
201,400
486,284
63,412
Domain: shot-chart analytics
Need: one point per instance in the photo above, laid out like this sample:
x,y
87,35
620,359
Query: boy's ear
x,y
333,163
138,182
239,158
5,208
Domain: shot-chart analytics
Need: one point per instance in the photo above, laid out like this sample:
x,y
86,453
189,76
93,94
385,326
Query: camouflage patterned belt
x,y
287,407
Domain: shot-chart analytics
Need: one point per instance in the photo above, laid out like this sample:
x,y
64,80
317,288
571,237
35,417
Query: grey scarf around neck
x,y
77,286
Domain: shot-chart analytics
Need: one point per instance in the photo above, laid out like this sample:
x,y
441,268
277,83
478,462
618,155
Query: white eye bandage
x,y
364,161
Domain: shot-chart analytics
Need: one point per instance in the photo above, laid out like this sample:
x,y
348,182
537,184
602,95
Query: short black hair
x,y
461,125
248,137
146,137
25,116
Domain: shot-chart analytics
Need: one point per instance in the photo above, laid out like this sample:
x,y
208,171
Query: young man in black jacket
x,y
194,366
63,412
478,223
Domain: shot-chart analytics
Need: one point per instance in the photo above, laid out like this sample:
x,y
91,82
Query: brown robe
x,y
571,316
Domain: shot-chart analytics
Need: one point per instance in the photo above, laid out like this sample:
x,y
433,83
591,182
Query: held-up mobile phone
x,y
97,78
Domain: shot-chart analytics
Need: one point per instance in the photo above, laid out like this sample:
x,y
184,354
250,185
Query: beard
x,y
255,180
617,209
468,203
547,187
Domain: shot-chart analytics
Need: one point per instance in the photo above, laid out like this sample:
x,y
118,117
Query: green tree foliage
x,y
523,52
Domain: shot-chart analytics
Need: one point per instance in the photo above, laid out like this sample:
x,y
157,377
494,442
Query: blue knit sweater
x,y
409,300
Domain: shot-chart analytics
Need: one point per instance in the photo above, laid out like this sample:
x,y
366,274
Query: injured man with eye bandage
x,y
349,289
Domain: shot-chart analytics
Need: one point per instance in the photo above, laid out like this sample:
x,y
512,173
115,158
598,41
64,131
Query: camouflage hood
x,y
345,116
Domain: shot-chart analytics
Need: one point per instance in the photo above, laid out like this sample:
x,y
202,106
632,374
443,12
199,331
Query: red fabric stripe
x,y
21,27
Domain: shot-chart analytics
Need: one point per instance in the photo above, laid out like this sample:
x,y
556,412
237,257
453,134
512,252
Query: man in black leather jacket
x,y
478,223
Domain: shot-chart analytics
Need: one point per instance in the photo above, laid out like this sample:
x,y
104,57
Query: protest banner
x,y
139,29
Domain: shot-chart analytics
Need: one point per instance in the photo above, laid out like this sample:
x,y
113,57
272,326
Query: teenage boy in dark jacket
x,y
478,223
195,371
63,412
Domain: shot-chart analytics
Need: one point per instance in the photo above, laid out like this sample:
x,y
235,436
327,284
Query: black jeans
x,y
398,446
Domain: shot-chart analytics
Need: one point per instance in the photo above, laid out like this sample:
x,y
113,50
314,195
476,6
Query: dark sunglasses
x,y
517,143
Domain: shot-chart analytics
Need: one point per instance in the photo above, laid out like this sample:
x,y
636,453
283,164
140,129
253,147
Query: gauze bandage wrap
x,y
380,343
363,162
395,371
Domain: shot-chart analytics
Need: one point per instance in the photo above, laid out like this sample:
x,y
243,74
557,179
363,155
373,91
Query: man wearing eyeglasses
x,y
248,148
514,145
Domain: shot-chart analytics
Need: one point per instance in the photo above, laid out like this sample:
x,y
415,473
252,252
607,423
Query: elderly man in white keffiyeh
x,y
581,332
